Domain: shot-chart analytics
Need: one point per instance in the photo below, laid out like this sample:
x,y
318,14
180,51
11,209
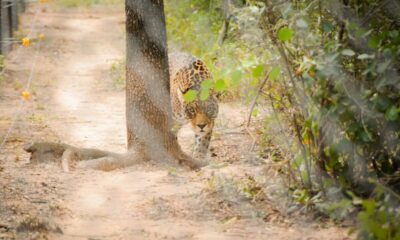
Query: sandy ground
x,y
74,100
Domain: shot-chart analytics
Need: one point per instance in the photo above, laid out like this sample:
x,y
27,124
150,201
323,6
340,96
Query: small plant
x,y
380,217
18,86
117,72
250,188
2,62
2,66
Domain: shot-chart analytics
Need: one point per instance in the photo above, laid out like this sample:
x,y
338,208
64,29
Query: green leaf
x,y
285,34
255,112
369,206
220,85
236,77
254,82
392,113
204,94
365,137
206,84
327,27
373,42
348,52
190,96
275,72
258,71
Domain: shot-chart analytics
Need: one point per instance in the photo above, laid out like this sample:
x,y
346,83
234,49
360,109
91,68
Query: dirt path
x,y
77,103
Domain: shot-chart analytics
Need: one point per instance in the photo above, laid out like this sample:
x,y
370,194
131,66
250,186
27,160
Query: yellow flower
x,y
41,36
26,95
26,42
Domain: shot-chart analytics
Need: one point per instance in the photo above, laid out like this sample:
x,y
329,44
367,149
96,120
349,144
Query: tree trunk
x,y
148,106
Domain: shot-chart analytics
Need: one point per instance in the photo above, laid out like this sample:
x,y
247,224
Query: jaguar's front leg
x,y
202,142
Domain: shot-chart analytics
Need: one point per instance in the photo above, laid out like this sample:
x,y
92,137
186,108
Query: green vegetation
x,y
332,88
195,26
117,74
2,65
339,96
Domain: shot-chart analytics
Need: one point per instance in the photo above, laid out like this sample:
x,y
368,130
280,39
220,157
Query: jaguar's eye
x,y
190,111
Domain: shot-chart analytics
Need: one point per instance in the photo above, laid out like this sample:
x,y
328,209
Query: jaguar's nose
x,y
202,126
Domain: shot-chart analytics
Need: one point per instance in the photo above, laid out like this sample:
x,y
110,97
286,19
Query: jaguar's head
x,y
202,114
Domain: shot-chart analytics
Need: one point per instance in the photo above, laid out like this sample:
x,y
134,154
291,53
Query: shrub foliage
x,y
333,85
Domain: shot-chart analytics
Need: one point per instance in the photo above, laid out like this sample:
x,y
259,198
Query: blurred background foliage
x,y
328,71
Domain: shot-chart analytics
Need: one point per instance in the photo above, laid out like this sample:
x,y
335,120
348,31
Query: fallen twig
x,y
253,137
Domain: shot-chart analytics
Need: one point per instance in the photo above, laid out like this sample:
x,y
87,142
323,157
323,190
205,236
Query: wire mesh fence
x,y
6,44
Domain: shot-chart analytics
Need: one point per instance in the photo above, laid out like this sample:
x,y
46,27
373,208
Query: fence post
x,y
14,16
5,26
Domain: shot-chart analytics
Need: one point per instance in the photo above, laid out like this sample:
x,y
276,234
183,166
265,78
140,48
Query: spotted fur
x,y
187,73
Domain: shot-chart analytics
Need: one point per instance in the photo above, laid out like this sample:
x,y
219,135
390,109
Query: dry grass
x,y
87,3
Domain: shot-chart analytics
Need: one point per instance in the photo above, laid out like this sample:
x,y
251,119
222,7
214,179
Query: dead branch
x,y
254,102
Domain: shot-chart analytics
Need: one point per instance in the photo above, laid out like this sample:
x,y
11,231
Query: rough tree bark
x,y
148,105
148,112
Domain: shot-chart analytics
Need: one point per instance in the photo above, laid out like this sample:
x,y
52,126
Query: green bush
x,y
339,96
333,86
380,218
